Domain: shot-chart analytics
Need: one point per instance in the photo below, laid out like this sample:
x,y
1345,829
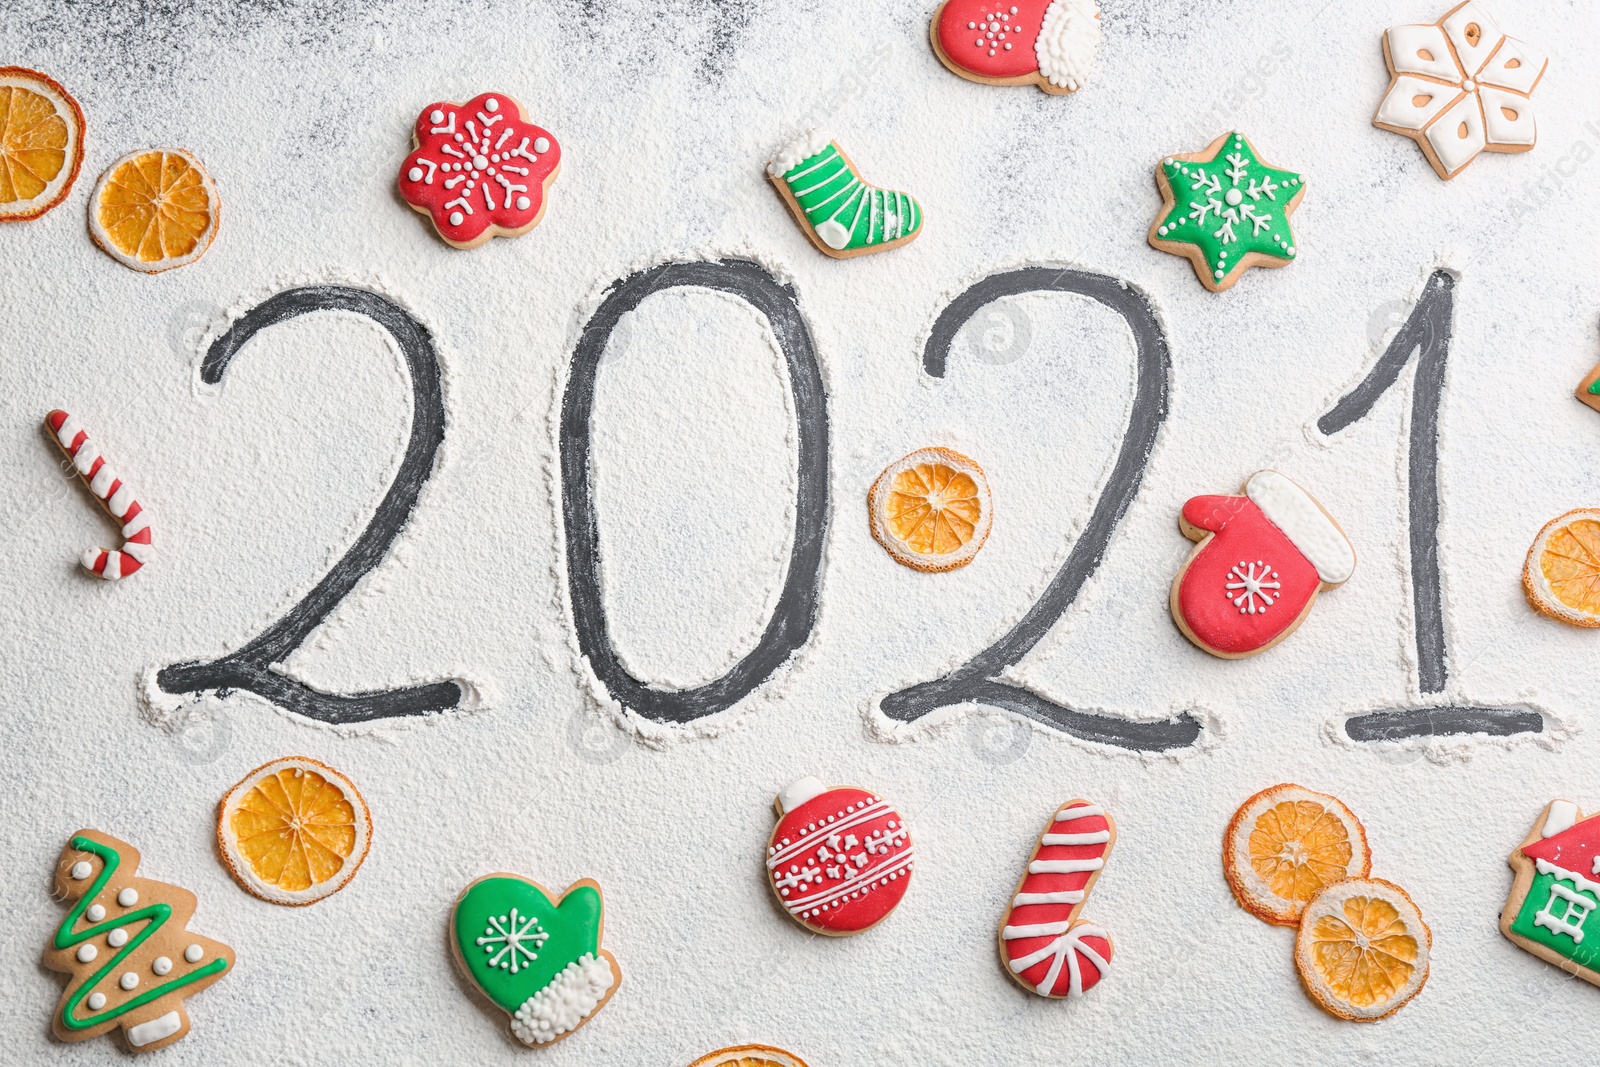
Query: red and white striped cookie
x,y
1045,946
107,486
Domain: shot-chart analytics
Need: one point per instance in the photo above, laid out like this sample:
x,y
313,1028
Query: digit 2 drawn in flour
x,y
978,680
796,610
251,668
1427,331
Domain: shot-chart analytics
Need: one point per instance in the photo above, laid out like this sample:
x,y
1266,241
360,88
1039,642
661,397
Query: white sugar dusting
x,y
668,115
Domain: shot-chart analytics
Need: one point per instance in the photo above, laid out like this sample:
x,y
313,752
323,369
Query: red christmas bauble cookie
x,y
839,859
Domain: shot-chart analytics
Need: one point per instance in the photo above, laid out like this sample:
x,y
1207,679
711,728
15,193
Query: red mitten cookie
x,y
1261,560
1048,43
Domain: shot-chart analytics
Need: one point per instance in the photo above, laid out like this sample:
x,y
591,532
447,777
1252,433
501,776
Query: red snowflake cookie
x,y
839,859
479,169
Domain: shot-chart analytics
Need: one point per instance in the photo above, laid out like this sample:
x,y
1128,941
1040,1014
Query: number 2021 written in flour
x,y
255,667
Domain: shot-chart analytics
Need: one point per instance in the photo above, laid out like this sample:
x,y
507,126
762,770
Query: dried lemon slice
x,y
931,510
1285,844
1562,575
1362,950
749,1056
41,143
154,210
293,831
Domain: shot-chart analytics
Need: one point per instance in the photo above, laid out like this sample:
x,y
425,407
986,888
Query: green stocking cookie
x,y
843,215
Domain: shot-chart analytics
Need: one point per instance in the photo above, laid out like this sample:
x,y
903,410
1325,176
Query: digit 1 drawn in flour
x,y
1427,331
978,680
796,610
251,668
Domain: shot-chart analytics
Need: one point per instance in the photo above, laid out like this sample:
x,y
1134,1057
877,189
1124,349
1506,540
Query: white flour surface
x,y
667,114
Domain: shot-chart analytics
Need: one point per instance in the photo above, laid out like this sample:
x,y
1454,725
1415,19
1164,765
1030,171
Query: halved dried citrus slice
x,y
1562,575
749,1056
293,831
1362,950
1285,844
154,210
931,510
41,143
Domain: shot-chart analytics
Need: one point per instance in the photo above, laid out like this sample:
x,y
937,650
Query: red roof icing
x,y
1573,849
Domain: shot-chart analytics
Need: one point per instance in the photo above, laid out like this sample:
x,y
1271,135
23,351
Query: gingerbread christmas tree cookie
x,y
1226,211
125,945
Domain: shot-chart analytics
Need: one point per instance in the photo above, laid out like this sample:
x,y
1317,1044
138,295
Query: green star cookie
x,y
1226,210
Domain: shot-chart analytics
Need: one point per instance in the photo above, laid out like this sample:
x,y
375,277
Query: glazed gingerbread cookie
x,y
479,170
106,483
125,945
1262,559
1460,87
1045,947
1226,210
1048,43
1551,908
536,958
843,216
839,859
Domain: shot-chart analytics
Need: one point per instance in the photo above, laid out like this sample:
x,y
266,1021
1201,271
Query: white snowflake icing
x,y
1250,585
508,939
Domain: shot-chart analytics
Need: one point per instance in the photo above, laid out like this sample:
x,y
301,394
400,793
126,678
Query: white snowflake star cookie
x,y
1460,87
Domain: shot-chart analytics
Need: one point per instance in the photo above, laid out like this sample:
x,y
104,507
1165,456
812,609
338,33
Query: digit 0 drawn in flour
x,y
251,668
1427,331
796,610
978,680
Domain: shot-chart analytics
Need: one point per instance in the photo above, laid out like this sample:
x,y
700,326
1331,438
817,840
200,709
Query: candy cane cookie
x,y
1045,947
108,487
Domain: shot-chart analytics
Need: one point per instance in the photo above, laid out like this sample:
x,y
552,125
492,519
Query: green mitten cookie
x,y
537,960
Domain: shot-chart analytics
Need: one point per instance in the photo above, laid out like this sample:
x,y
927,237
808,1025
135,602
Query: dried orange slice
x,y
1562,575
749,1056
293,831
1285,844
154,210
931,510
41,143
1362,950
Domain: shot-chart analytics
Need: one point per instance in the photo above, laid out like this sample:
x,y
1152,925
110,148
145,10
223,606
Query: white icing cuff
x,y
1067,42
560,1006
155,1029
797,151
1292,510
798,792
